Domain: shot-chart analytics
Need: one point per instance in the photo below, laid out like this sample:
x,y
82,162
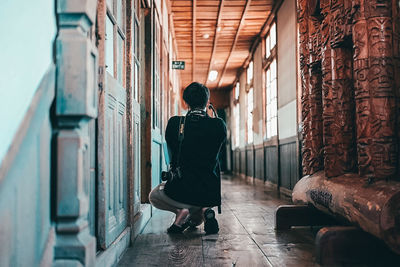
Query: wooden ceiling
x,y
232,27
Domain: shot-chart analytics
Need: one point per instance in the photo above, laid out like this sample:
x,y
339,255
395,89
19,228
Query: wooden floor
x,y
246,238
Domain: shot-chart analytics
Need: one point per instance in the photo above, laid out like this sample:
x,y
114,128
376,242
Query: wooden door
x,y
112,126
156,136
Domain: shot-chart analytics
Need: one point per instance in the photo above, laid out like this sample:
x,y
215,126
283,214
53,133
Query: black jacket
x,y
203,138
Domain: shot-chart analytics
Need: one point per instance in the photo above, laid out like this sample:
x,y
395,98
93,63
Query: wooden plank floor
x,y
246,238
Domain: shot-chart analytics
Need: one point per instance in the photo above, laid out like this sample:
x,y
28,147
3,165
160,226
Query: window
x,y
271,100
270,41
237,89
250,72
236,115
115,40
250,116
271,83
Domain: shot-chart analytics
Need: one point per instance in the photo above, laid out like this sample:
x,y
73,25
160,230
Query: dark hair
x,y
196,95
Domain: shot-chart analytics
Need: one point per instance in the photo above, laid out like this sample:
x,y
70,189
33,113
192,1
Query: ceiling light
x,y
218,29
213,75
206,35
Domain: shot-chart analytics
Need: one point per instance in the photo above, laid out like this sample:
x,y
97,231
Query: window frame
x,y
117,16
269,59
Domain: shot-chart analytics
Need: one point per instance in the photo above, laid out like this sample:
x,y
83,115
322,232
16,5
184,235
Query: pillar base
x,y
74,249
287,216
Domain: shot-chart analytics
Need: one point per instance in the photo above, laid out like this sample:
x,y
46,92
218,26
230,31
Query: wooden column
x,y
76,107
311,91
338,103
374,89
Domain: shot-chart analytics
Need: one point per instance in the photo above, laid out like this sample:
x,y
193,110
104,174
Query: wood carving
x,y
373,208
338,97
350,68
310,61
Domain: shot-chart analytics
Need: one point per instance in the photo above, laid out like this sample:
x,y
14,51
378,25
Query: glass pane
x,y
137,40
237,88
273,70
250,116
250,72
120,60
110,4
120,15
272,33
136,87
267,47
273,89
109,46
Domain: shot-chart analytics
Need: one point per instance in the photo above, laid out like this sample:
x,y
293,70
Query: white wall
x,y
27,30
287,77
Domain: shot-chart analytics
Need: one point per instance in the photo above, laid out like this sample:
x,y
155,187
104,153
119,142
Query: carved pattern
x,y
350,52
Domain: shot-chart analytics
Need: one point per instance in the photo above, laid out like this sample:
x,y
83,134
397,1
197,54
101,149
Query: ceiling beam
x,y
221,5
234,42
193,39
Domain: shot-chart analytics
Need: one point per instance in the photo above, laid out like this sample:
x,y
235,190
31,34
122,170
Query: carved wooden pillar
x,y
305,81
310,64
338,103
76,106
396,58
374,86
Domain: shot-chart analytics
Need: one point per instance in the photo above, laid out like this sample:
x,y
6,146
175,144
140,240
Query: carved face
x,y
364,157
381,77
360,39
361,71
384,158
342,64
383,117
362,118
380,37
338,30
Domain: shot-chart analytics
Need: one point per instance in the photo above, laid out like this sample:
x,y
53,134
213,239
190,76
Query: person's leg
x,y
157,199
160,200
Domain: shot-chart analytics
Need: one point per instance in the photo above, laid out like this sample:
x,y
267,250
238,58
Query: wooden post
x,y
311,93
375,93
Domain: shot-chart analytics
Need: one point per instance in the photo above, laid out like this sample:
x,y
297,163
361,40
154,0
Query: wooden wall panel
x,y
250,162
289,173
259,163
236,161
271,164
243,161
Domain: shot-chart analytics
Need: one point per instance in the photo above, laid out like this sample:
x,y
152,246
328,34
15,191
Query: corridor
x,y
247,236
307,95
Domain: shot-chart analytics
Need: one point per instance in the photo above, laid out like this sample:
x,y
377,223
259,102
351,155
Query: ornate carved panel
x,y
350,68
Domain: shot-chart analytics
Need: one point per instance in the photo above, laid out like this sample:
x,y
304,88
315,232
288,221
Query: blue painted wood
x,y
25,200
116,215
136,157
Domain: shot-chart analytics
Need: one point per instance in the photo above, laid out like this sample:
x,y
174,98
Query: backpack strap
x,y
181,135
